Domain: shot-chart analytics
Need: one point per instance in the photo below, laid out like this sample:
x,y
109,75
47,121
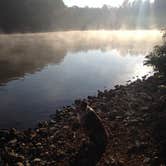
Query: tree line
x,y
51,15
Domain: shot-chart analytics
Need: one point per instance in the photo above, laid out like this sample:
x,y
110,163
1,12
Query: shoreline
x,y
132,113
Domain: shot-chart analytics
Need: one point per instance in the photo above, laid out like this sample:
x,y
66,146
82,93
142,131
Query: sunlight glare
x,y
151,1
93,3
96,3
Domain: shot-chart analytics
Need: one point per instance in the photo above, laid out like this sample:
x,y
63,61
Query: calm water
x,y
42,72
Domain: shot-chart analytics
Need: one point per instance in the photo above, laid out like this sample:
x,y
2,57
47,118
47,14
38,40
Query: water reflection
x,y
21,54
52,69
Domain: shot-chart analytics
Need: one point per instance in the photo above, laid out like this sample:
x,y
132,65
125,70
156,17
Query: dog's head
x,y
80,108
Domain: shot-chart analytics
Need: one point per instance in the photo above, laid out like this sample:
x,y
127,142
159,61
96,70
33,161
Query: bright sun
x,y
95,3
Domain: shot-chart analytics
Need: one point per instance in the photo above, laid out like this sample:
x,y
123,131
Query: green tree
x,y
157,58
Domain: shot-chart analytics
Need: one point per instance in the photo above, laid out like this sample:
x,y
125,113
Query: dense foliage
x,y
29,15
157,58
50,15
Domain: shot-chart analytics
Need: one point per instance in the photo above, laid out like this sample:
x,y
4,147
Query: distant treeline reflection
x,y
22,54
51,15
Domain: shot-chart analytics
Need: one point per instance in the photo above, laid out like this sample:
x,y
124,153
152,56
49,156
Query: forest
x,y
54,15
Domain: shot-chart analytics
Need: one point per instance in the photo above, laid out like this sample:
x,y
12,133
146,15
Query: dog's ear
x,y
84,105
77,102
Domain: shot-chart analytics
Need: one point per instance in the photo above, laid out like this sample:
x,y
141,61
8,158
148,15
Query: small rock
x,y
27,163
33,134
37,160
144,108
52,146
43,124
52,121
14,141
134,120
52,128
145,96
146,160
13,131
66,127
20,158
20,164
138,144
16,157
107,162
42,130
118,117
38,144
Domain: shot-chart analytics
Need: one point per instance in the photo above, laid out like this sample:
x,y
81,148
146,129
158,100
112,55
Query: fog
x,y
21,54
54,15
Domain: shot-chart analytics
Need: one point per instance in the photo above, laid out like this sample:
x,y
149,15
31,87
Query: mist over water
x,y
44,71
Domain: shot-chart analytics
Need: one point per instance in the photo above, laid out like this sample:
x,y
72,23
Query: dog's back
x,y
95,128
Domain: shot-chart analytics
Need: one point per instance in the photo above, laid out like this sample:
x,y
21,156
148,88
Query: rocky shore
x,y
134,114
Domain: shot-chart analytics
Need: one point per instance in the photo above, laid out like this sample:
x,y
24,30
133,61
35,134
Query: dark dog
x,y
96,132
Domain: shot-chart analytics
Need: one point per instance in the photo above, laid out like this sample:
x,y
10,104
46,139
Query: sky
x,y
94,3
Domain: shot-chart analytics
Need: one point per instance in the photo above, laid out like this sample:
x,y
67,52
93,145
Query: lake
x,y
42,72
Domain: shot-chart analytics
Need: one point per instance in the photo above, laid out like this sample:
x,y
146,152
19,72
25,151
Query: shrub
x,y
157,58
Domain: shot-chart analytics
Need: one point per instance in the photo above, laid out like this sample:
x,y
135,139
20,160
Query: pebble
x,y
20,164
36,160
146,160
14,141
145,108
66,127
52,121
20,158
38,144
